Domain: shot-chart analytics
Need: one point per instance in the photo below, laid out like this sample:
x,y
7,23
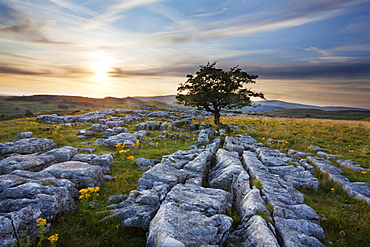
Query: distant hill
x,y
274,105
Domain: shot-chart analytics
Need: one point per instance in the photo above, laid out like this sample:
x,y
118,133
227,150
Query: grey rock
x,y
112,124
328,156
114,131
272,157
251,204
86,133
240,187
186,228
302,233
296,155
27,146
23,220
98,127
23,135
86,150
145,164
256,233
150,125
140,207
30,162
196,198
80,173
228,166
297,176
161,174
198,168
62,154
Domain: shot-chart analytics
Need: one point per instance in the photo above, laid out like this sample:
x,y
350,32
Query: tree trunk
x,y
217,115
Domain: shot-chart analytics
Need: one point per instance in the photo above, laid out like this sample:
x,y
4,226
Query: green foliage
x,y
257,183
346,221
213,89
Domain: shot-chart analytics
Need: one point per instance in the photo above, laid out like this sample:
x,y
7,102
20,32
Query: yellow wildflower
x,y
130,158
53,238
363,172
41,222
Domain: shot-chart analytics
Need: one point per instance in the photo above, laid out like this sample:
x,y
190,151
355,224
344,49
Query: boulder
x,y
29,162
176,226
98,127
145,164
62,154
192,197
27,146
256,232
228,167
80,173
23,135
24,221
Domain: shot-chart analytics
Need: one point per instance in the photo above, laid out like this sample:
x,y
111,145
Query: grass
x,y
315,113
348,219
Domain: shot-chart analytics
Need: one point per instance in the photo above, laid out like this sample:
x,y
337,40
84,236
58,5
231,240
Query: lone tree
x,y
213,89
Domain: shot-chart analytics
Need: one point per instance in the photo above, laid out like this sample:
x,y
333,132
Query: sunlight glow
x,y
102,63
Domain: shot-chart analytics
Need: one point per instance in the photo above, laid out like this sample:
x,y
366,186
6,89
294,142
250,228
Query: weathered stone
x,y
150,125
23,135
300,233
174,224
297,176
114,131
328,156
112,124
98,127
196,198
161,174
86,133
140,207
251,204
296,155
86,150
27,146
240,187
62,154
198,168
80,173
272,157
228,166
23,220
256,232
49,199
351,165
145,164
127,140
30,162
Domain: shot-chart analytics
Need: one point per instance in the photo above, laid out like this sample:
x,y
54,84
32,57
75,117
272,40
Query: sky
x,y
311,52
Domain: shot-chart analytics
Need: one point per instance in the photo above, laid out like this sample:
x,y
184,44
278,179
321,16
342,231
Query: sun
x,y
102,63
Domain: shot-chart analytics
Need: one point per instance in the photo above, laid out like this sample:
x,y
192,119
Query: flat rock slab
x,y
29,162
80,173
193,197
27,146
175,226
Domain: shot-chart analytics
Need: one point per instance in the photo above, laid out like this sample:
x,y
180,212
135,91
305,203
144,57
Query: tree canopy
x,y
214,89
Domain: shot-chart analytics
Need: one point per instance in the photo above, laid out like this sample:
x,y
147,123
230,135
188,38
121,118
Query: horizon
x,y
313,53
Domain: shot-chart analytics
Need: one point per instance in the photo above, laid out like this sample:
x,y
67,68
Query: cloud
x,y
295,14
320,51
53,71
356,69
21,26
115,11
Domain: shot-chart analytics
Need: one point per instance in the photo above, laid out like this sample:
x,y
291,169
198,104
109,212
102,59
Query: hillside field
x,y
346,221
